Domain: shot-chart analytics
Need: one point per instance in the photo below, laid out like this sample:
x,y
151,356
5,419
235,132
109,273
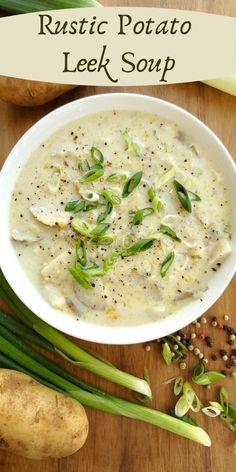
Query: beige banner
x,y
118,46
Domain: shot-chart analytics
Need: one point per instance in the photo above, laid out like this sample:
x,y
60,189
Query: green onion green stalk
x,y
28,6
65,347
15,354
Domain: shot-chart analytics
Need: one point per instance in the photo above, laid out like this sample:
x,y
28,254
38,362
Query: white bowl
x,y
11,266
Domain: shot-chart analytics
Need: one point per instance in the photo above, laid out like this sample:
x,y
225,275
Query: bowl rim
x,y
88,331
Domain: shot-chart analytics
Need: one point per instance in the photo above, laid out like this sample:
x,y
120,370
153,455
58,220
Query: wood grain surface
x,y
118,444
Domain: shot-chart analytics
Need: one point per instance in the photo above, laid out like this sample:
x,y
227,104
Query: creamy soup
x,y
120,218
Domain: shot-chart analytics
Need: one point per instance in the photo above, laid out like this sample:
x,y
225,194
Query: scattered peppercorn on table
x,y
121,444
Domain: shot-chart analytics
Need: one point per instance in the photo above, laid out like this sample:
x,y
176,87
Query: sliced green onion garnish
x,y
75,206
131,184
81,227
97,155
211,411
139,246
200,377
84,166
178,385
89,195
224,400
167,263
193,196
157,202
130,144
183,196
92,271
194,402
94,173
182,406
166,353
105,213
139,215
111,197
169,232
117,177
81,253
164,178
79,276
99,229
103,240
110,260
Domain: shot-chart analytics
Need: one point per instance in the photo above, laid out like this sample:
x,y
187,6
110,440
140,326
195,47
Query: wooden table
x,y
119,444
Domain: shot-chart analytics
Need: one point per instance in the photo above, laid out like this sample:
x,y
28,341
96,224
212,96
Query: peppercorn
x,y
214,323
196,351
222,352
234,352
213,318
224,372
226,317
190,347
198,324
209,341
182,365
201,336
232,356
231,330
148,348
220,326
201,355
203,320
205,360
193,335
232,337
214,357
231,342
225,327
225,357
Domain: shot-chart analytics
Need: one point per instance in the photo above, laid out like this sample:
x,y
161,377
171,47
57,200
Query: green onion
x,y
169,232
97,399
67,347
99,229
117,177
211,411
94,173
27,6
232,411
81,253
182,406
164,178
185,418
84,166
75,206
79,276
139,246
167,263
110,260
143,398
131,184
139,215
157,203
130,144
200,377
224,400
111,197
93,271
176,340
81,226
195,404
97,155
183,196
178,385
103,240
104,214
194,196
166,353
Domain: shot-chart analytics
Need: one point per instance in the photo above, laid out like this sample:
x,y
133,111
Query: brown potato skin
x,y
37,422
30,93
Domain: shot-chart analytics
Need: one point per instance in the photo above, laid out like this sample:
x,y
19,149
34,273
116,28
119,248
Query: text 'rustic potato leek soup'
x,y
120,218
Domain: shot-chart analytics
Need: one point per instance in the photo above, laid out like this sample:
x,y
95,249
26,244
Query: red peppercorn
x,y
220,326
201,336
232,356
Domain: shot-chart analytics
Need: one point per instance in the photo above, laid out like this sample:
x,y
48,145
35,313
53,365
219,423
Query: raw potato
x,y
37,422
29,93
